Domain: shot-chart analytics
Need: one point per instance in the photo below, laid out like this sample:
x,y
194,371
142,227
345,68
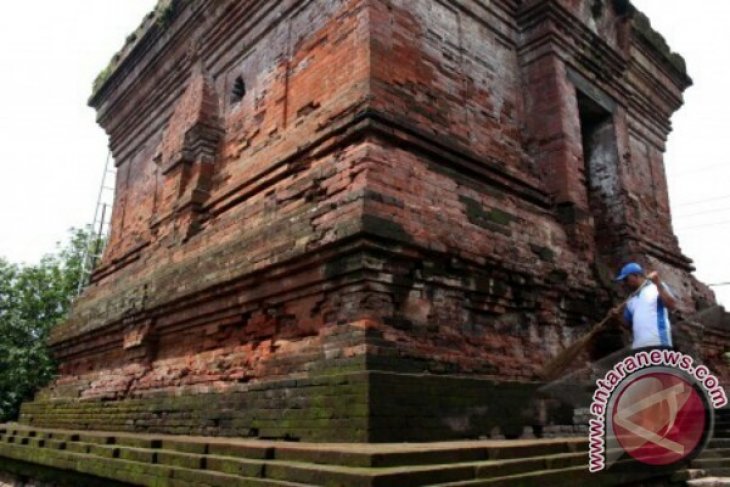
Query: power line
x,y
714,210
704,225
698,202
719,284
698,170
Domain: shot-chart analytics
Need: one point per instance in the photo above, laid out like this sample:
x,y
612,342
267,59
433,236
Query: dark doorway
x,y
600,159
600,165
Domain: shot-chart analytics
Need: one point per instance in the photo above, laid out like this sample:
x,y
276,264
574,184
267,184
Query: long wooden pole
x,y
556,366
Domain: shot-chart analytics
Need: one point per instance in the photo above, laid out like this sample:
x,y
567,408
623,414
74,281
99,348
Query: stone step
x,y
710,482
719,443
695,473
715,453
569,476
364,455
710,464
142,441
187,461
414,476
310,474
718,479
137,473
415,455
720,472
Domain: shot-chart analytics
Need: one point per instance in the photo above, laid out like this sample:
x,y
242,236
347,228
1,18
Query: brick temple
x,y
369,220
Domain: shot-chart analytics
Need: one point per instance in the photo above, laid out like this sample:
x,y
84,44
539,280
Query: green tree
x,y
33,299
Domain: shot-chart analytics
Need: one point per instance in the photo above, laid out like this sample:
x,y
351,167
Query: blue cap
x,y
630,268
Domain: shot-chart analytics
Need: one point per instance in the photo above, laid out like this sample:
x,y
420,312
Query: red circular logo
x,y
659,418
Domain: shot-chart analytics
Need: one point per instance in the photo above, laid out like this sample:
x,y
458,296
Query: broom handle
x,y
608,317
559,363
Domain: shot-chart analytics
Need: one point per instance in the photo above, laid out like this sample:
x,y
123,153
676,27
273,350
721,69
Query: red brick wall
x,y
402,187
453,74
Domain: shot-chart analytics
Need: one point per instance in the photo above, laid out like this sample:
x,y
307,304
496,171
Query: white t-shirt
x,y
649,317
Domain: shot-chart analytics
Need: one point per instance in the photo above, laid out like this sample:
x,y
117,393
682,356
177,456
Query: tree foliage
x,y
34,298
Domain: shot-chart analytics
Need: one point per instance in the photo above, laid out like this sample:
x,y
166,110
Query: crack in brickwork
x,y
423,189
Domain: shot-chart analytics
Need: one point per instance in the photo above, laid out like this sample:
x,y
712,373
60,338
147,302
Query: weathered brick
x,y
413,188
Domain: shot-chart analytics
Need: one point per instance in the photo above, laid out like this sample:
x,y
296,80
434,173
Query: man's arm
x,y
622,314
667,297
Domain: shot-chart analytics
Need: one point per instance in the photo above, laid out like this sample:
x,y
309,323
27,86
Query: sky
x,y
697,160
53,151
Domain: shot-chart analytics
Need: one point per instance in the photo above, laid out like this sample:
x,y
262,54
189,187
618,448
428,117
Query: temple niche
x,y
369,221
348,234
187,158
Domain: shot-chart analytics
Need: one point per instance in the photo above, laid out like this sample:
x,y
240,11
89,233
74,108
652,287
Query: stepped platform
x,y
67,457
74,458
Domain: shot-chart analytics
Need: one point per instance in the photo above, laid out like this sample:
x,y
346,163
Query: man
x,y
646,311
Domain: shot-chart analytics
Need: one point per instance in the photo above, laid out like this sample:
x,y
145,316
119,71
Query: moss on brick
x,y
161,16
382,227
343,264
165,12
656,40
498,216
493,219
266,406
60,478
543,253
